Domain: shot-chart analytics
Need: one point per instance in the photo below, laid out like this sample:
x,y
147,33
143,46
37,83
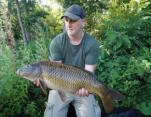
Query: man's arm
x,y
83,91
90,68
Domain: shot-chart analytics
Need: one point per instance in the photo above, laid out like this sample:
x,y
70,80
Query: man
x,y
77,48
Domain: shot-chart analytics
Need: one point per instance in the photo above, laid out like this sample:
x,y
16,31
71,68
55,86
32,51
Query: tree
x,y
26,7
124,33
6,22
23,30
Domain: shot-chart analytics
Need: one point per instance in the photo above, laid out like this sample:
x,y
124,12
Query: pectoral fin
x,y
43,87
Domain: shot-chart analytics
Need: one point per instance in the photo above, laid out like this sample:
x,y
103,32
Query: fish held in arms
x,y
66,78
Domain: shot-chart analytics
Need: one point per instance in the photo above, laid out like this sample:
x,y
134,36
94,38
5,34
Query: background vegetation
x,y
122,27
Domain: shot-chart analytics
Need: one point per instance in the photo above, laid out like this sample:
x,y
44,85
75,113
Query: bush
x,y
125,57
19,95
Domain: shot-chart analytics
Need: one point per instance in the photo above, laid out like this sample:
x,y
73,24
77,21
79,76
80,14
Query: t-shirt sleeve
x,y
92,54
55,51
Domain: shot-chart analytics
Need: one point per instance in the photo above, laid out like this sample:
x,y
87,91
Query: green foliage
x,y
12,89
145,105
19,95
29,20
121,26
125,57
34,16
90,6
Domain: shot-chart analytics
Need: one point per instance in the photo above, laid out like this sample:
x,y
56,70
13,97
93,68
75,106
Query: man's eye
x,y
72,20
69,20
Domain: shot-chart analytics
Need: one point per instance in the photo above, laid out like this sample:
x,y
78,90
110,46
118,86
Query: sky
x,y
50,3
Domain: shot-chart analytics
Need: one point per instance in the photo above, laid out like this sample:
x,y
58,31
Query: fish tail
x,y
107,102
105,98
115,95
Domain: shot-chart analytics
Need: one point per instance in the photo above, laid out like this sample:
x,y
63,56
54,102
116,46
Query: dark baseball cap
x,y
74,12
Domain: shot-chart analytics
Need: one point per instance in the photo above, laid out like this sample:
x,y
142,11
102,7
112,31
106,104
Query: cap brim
x,y
71,16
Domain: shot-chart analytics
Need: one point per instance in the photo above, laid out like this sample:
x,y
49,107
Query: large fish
x,y
66,78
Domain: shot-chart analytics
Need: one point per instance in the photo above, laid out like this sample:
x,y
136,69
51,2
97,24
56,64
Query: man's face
x,y
73,27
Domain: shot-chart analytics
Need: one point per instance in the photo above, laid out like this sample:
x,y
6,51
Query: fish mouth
x,y
19,73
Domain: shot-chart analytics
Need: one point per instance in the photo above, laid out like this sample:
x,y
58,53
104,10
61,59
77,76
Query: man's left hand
x,y
82,92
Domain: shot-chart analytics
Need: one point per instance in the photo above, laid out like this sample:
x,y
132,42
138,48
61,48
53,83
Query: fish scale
x,y
66,78
69,82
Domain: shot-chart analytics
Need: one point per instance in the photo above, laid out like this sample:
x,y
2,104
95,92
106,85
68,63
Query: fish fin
x,y
62,95
107,102
43,87
115,94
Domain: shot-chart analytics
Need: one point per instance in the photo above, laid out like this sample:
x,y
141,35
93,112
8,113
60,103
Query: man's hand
x,y
82,92
39,84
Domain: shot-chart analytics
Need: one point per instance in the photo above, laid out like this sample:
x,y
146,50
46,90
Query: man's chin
x,y
71,33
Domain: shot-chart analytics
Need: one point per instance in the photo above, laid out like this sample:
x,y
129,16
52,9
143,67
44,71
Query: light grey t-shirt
x,y
86,52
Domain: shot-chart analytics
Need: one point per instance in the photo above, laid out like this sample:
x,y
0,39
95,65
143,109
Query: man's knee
x,y
88,107
53,96
55,107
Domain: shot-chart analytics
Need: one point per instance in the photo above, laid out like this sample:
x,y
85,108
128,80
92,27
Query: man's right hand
x,y
40,84
37,82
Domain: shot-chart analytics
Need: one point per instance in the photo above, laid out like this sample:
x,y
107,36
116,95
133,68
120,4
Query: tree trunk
x,y
7,25
26,13
26,7
21,24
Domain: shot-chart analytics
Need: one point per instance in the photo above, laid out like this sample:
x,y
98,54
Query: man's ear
x,y
83,22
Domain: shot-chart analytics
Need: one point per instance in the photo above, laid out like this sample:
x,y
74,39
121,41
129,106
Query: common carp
x,y
67,78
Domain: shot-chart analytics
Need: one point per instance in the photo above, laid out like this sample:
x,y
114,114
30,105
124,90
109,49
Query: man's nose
x,y
69,24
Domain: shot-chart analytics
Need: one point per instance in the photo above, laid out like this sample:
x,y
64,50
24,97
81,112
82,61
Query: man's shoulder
x,y
60,36
59,39
90,40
